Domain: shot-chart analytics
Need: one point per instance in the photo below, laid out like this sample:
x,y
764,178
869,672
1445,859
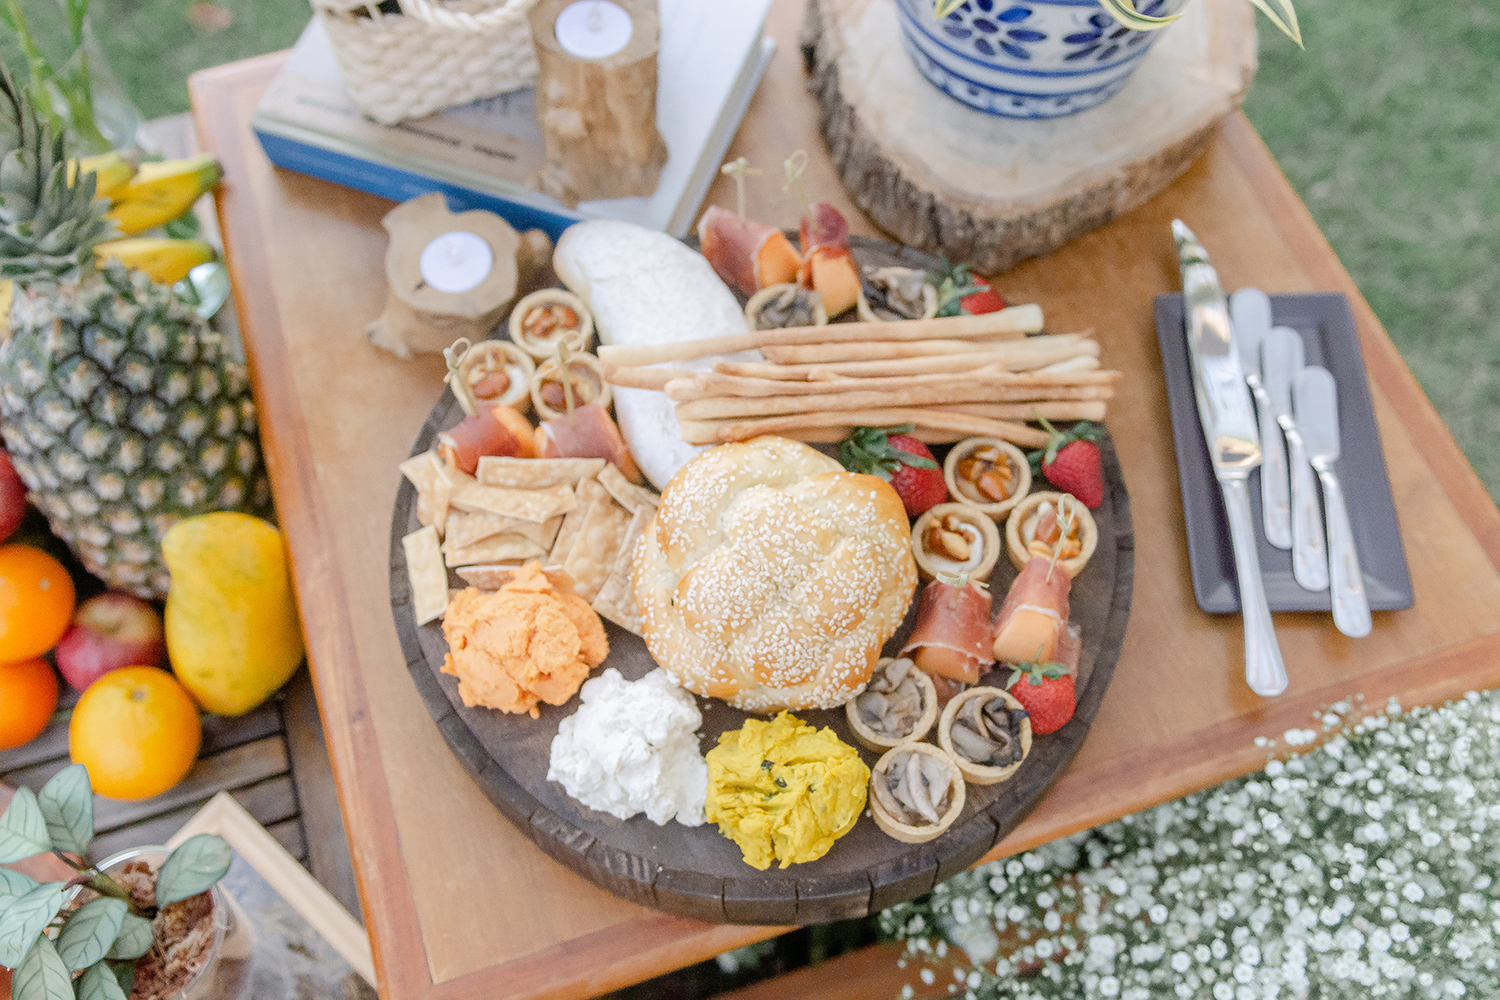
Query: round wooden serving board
x,y
696,872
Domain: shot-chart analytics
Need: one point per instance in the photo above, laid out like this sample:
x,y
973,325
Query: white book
x,y
711,58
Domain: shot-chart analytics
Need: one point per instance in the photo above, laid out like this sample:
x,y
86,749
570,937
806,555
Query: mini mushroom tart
x,y
887,294
1044,522
955,538
585,376
916,792
499,373
789,304
899,705
988,733
988,474
548,317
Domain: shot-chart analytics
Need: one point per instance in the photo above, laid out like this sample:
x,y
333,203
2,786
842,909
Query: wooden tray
x,y
696,872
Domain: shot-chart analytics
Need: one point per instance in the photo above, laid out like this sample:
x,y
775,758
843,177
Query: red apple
x,y
12,498
110,631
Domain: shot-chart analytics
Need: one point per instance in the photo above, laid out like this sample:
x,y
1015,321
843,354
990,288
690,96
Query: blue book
x,y
481,155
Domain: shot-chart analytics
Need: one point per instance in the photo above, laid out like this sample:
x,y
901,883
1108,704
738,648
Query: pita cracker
x,y
525,505
616,599
493,576
498,548
426,473
597,547
536,473
589,493
630,496
466,528
427,573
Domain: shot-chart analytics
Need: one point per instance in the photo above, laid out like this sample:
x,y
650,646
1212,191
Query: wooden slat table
x,y
461,904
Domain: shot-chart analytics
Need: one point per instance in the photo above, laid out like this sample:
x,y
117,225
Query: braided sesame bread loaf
x,y
771,577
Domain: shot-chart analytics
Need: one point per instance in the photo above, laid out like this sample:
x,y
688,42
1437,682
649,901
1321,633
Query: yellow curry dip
x,y
783,790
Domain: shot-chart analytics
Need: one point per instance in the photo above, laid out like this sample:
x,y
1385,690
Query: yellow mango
x,y
160,192
166,260
233,634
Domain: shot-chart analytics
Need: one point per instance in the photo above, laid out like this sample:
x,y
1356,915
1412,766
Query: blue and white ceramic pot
x,y
1026,58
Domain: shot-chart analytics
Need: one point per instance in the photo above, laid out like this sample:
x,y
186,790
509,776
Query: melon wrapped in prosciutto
x,y
952,635
587,432
1034,616
827,265
748,255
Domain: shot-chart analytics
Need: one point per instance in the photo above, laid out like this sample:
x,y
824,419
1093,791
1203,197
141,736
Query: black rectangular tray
x,y
1327,328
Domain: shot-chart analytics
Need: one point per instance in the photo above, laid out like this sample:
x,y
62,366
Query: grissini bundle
x,y
1044,350
721,431
1014,322
934,364
733,407
701,385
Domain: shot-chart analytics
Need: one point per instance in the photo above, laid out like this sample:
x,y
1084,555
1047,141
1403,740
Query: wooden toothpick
x,y
796,166
738,169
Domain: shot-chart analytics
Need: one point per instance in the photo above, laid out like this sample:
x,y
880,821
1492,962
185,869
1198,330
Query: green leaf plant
x,y
1279,12
45,944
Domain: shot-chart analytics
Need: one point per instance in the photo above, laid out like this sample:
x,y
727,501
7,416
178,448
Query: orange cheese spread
x,y
528,642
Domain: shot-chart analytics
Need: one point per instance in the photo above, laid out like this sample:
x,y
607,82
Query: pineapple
x,y
118,404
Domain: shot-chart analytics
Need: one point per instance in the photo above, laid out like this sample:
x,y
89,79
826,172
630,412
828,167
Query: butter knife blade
x,y
1281,356
1315,404
1250,316
1228,421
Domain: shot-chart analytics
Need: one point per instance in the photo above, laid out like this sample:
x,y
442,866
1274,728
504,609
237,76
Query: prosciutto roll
x,y
1034,615
477,436
952,636
587,433
748,255
826,228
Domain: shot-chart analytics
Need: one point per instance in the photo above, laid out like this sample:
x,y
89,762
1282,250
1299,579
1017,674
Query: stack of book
x,y
481,155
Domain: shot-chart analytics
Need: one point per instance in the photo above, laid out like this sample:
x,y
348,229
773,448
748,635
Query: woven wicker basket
x,y
426,56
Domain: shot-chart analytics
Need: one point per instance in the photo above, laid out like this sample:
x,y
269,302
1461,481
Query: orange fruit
x,y
137,731
36,602
28,697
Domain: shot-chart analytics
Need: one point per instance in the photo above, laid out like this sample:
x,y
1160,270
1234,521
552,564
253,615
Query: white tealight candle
x,y
456,261
593,29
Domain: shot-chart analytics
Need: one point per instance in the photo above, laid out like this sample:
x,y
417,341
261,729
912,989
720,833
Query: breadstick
x,y
1049,348
1014,321
862,369
1052,409
713,432
643,378
702,385
728,407
1081,363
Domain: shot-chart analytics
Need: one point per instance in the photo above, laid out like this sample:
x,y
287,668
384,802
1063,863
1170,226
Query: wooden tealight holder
x,y
422,319
598,116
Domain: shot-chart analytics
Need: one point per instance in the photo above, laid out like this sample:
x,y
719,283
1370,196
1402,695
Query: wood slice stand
x,y
994,191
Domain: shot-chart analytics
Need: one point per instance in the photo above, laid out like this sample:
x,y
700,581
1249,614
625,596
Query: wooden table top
x,y
461,904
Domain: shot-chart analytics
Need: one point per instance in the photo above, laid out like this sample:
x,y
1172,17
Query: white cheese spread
x,y
632,747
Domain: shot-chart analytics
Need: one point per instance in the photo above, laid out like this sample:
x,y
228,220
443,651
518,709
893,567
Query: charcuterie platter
x,y
872,754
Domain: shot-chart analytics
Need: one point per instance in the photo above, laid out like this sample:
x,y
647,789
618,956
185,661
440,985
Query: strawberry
x,y
985,301
902,461
1047,694
1072,463
956,287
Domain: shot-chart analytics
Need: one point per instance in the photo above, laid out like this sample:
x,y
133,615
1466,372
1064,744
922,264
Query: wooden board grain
x,y
440,870
695,872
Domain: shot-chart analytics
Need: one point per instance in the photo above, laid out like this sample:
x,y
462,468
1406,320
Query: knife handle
x,y
1309,553
1275,490
1264,671
1351,610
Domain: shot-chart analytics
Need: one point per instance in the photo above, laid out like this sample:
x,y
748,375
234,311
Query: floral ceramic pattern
x,y
1025,58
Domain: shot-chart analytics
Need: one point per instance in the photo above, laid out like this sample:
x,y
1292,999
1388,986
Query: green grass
x,y
1388,126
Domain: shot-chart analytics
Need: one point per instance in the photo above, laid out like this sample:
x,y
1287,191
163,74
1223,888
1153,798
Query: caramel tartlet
x,y
955,538
899,705
1044,521
549,317
916,792
499,374
585,376
988,474
987,732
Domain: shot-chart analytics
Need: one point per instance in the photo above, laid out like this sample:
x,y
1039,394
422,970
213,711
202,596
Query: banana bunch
x,y
143,196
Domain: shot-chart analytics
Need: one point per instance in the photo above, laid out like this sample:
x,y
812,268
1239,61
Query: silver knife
x,y
1250,314
1315,402
1228,420
1281,361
